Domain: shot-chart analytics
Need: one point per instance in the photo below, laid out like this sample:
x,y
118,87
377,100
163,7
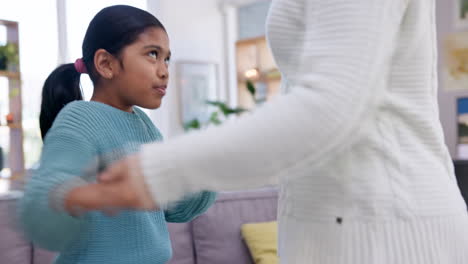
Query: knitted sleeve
x,y
65,154
189,208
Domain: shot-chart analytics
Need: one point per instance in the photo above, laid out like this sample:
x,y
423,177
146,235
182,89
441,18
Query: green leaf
x,y
251,88
235,110
225,109
193,124
214,103
214,118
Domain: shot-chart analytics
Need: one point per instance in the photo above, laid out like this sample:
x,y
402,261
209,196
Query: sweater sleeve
x,y
335,56
190,207
42,216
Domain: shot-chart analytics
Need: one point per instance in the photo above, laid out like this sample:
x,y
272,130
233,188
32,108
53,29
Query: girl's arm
x,y
42,214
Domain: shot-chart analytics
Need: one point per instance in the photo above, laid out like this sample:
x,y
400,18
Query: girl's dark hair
x,y
112,29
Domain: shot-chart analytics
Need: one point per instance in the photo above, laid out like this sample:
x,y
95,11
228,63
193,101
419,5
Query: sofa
x,y
211,238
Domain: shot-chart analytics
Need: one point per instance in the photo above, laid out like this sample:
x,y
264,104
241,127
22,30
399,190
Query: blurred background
x,y
221,67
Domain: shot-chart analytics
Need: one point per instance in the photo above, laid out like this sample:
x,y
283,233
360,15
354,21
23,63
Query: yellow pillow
x,y
262,241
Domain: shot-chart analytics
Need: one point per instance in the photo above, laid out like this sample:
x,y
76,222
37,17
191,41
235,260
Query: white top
x,y
356,146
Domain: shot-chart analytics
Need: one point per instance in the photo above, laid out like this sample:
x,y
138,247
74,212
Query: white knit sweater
x,y
356,146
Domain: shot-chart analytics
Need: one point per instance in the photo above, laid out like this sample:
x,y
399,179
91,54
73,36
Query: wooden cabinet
x,y
11,131
255,62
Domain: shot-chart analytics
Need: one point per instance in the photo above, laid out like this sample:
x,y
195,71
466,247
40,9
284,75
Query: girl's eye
x,y
167,61
153,54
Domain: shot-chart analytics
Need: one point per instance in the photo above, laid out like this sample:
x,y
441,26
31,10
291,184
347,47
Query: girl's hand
x,y
121,186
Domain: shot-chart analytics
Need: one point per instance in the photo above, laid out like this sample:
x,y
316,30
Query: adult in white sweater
x,y
356,146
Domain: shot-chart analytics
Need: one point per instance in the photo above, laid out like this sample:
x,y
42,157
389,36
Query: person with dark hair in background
x,y
126,54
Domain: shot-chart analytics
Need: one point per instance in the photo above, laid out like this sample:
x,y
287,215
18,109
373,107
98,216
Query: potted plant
x,y
223,111
3,59
9,57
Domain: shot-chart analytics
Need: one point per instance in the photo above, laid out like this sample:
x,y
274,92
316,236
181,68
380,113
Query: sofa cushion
x,y
14,248
262,241
217,233
182,244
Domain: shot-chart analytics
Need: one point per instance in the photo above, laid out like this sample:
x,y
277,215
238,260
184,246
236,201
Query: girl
x,y
126,54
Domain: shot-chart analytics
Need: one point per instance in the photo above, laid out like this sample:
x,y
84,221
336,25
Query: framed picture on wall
x,y
462,128
455,70
461,13
198,83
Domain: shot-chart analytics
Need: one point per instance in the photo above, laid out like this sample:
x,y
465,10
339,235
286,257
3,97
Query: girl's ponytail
x,y
61,87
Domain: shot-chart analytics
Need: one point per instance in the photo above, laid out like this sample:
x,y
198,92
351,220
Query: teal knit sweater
x,y
84,139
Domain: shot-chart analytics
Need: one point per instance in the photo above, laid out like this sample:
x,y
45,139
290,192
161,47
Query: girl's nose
x,y
163,72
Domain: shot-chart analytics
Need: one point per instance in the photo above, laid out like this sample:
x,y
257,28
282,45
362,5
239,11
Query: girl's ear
x,y
106,64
